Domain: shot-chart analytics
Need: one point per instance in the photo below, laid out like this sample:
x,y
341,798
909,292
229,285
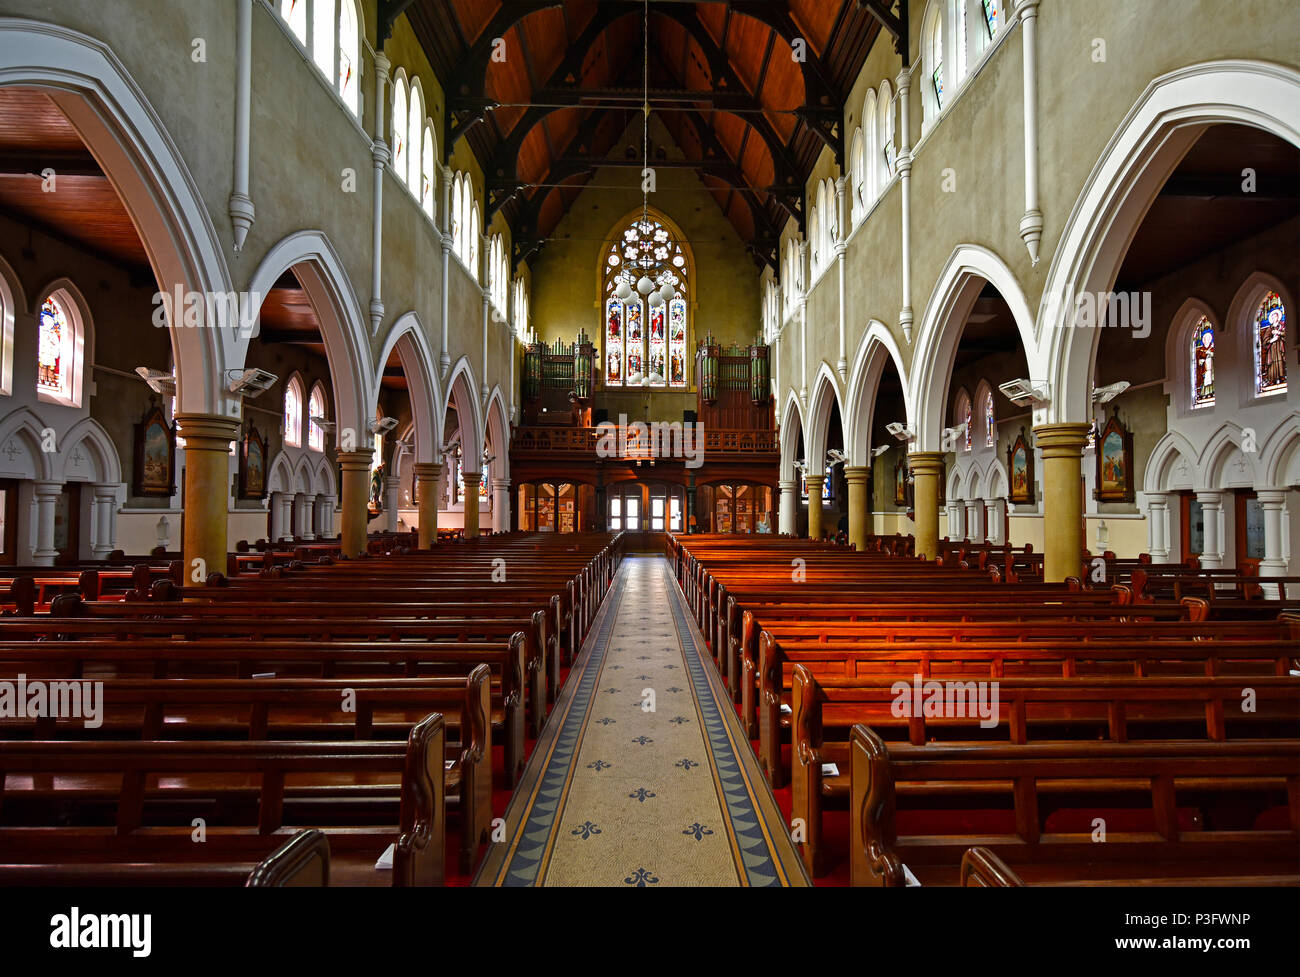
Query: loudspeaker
x,y
600,416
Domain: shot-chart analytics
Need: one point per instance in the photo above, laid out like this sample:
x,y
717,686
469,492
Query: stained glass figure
x,y
53,329
1203,364
1270,345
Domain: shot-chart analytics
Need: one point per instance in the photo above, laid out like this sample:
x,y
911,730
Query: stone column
x,y
992,521
956,515
859,504
286,516
1062,446
788,518
501,505
325,511
975,531
1212,510
105,520
1271,501
207,492
392,490
927,469
355,466
308,517
46,495
427,477
1158,527
471,503
815,483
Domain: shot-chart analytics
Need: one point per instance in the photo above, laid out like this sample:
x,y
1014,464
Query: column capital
x,y
926,462
818,479
857,473
788,485
474,477
1271,497
428,469
355,461
46,488
207,432
1209,497
500,484
393,481
1061,440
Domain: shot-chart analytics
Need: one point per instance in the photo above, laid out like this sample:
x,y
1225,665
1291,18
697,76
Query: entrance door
x,y
67,525
1192,523
1248,523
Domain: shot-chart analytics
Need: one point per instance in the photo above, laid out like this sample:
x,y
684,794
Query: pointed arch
x,y
88,433
1163,472
22,430
462,389
792,436
826,394
121,129
294,410
76,352
1280,454
1241,324
878,347
323,277
280,478
410,341
954,295
12,298
1166,121
498,433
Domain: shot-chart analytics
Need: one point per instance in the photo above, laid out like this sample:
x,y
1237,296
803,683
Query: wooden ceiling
x,y
750,119
82,208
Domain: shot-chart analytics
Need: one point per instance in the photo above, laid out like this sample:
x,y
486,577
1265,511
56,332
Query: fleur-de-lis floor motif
x,y
670,666
605,721
587,829
641,878
611,690
672,688
640,794
599,765
698,830
686,764
679,720
642,740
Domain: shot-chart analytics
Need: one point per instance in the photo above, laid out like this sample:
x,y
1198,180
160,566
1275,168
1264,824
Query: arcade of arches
x,y
363,276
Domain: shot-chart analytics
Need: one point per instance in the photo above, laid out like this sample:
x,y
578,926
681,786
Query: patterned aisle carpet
x,y
643,776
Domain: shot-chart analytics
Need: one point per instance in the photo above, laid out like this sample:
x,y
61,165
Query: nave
x,y
645,775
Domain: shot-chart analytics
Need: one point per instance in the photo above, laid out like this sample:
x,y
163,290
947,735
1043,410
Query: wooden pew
x,y
1210,814
1027,710
132,804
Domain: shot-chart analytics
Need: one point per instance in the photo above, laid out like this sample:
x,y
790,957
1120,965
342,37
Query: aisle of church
x,y
640,778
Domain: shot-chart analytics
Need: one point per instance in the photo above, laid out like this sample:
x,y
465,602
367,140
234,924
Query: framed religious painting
x,y
155,455
900,482
1114,462
252,465
1020,471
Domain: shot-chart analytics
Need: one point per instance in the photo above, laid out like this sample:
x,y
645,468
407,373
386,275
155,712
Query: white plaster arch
x,y
325,478
1149,143
1162,473
826,392
997,481
122,131
1280,453
954,295
319,270
792,416
1222,464
281,477
21,434
408,337
106,465
463,389
878,346
303,476
498,429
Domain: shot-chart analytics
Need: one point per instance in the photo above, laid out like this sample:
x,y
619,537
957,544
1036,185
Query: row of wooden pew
x,y
377,701
948,709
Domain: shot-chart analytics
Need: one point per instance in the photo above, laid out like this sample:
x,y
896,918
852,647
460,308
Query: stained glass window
x,y
349,52
316,408
399,129
966,416
936,57
482,483
293,414
1270,346
323,35
645,342
294,13
991,17
426,172
990,422
1203,364
50,364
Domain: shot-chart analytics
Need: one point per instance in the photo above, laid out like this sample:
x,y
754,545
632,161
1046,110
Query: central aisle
x,y
617,793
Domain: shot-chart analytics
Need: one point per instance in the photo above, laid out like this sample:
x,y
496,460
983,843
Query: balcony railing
x,y
642,442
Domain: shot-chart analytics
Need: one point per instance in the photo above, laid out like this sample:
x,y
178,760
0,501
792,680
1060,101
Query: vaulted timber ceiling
x,y
750,119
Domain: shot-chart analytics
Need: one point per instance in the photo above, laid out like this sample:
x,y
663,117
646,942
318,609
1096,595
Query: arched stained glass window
x,y
322,41
970,422
51,367
426,171
646,341
414,130
329,31
1203,364
349,55
991,17
990,422
934,53
294,13
293,414
316,408
1270,345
